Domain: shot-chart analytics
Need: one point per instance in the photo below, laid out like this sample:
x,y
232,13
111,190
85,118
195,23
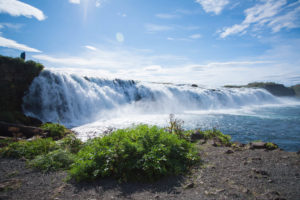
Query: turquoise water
x,y
280,125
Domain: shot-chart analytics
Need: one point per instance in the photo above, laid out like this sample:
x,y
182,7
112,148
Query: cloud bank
x,y
274,14
17,8
4,42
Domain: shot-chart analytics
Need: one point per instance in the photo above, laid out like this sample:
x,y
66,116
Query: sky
x,y
207,42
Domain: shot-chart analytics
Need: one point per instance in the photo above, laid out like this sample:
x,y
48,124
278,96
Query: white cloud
x,y
157,28
17,8
275,14
166,16
214,6
91,48
195,36
98,3
75,1
4,42
120,37
10,25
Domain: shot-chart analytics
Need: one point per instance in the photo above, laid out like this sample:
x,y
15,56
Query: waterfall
x,y
72,99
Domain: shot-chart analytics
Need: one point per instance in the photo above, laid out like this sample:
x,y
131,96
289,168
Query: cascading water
x,y
74,100
90,106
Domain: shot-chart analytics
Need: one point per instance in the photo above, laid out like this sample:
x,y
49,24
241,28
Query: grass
x,y
53,161
271,146
28,149
216,135
142,153
56,131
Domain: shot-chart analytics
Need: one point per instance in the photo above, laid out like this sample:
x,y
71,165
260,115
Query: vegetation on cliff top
x,y
15,78
274,88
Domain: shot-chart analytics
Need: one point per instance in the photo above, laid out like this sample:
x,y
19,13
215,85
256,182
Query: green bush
x,y
56,131
70,143
140,153
28,149
54,160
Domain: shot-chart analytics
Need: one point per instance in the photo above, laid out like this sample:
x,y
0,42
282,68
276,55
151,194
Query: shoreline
x,y
224,173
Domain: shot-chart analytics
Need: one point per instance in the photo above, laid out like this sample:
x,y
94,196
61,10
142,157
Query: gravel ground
x,y
224,173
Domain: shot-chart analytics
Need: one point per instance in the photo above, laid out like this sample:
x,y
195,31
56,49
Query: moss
x,y
271,146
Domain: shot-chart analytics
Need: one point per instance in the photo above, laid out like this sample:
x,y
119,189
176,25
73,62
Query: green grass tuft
x,y
56,131
28,149
271,146
53,161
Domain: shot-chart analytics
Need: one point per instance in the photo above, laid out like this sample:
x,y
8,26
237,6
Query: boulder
x,y
257,145
17,130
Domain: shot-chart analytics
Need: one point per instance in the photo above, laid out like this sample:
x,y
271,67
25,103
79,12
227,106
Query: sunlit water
x,y
90,106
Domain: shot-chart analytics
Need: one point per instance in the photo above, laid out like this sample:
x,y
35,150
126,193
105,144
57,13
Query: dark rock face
x,y
274,88
20,131
16,76
280,90
296,89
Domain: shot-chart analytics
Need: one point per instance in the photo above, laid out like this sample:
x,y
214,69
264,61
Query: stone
x,y
257,145
229,151
189,185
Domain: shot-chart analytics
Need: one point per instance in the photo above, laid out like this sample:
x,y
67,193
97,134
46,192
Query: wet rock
x,y
16,130
257,145
229,151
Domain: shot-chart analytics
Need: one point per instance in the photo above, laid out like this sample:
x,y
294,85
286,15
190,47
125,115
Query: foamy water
x,y
92,105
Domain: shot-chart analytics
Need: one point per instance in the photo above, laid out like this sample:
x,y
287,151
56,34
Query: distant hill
x,y
274,88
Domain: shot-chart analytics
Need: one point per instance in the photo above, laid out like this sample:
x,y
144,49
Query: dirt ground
x,y
224,173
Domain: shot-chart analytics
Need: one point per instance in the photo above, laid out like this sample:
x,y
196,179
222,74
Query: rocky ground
x,y
224,173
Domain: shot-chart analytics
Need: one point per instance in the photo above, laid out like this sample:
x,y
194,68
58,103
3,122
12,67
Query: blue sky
x,y
209,42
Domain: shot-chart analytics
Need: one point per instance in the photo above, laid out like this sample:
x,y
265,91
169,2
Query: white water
x,y
91,105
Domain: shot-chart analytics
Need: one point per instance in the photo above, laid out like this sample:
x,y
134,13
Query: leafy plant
x,y
56,131
70,143
141,153
176,126
28,149
54,160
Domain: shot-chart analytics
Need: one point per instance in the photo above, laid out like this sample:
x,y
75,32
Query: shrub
x,y
56,131
176,127
54,160
70,143
140,153
28,149
6,141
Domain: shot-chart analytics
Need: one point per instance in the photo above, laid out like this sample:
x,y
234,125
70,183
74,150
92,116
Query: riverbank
x,y
224,173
